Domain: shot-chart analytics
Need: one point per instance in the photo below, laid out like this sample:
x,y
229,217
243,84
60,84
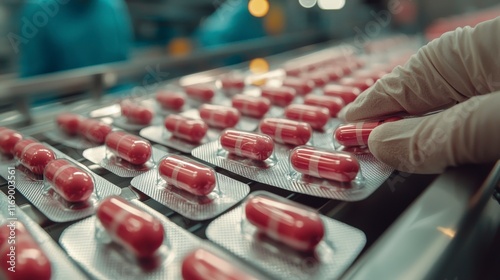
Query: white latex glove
x,y
461,72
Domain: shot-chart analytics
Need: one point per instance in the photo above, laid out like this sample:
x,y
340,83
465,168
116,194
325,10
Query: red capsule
x,y
170,100
334,73
94,130
188,175
302,86
251,106
20,251
136,113
8,139
333,103
356,134
298,227
247,144
186,129
69,181
316,116
69,123
336,166
286,131
200,92
232,82
219,116
129,147
294,70
279,96
347,93
203,265
33,155
134,229
361,83
319,78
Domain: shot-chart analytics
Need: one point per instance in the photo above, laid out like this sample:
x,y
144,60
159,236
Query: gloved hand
x,y
460,72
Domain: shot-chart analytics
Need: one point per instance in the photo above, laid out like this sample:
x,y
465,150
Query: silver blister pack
x,y
75,142
104,261
48,201
62,268
341,244
280,175
100,155
227,193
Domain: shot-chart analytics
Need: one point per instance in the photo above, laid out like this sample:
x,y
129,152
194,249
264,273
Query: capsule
x,y
8,140
251,106
246,144
333,103
316,116
286,131
335,166
94,130
219,116
129,147
362,83
232,82
319,78
33,155
357,134
69,123
203,265
294,70
69,181
188,175
297,227
136,113
279,96
186,129
28,258
347,93
134,229
200,92
302,86
334,73
170,100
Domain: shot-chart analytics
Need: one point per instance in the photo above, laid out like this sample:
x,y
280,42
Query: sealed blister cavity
x,y
69,123
248,145
333,103
319,78
347,93
279,96
190,130
334,72
130,248
232,82
287,240
315,116
302,86
135,113
219,116
256,107
94,130
170,100
363,83
285,131
200,92
190,188
8,140
33,155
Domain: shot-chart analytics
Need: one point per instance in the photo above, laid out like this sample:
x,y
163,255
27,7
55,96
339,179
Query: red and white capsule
x,y
251,106
363,83
134,229
129,147
94,130
186,129
246,144
316,116
296,226
286,131
8,139
69,123
219,116
333,103
19,249
302,86
319,78
69,181
170,100
33,155
200,92
357,134
232,82
279,96
342,167
347,93
204,265
135,113
187,174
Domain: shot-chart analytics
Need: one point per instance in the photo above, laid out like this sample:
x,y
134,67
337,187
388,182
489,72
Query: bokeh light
x,y
179,47
259,65
258,8
308,3
274,22
331,4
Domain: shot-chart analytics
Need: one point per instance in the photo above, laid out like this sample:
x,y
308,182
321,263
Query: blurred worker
x,y
459,72
59,35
